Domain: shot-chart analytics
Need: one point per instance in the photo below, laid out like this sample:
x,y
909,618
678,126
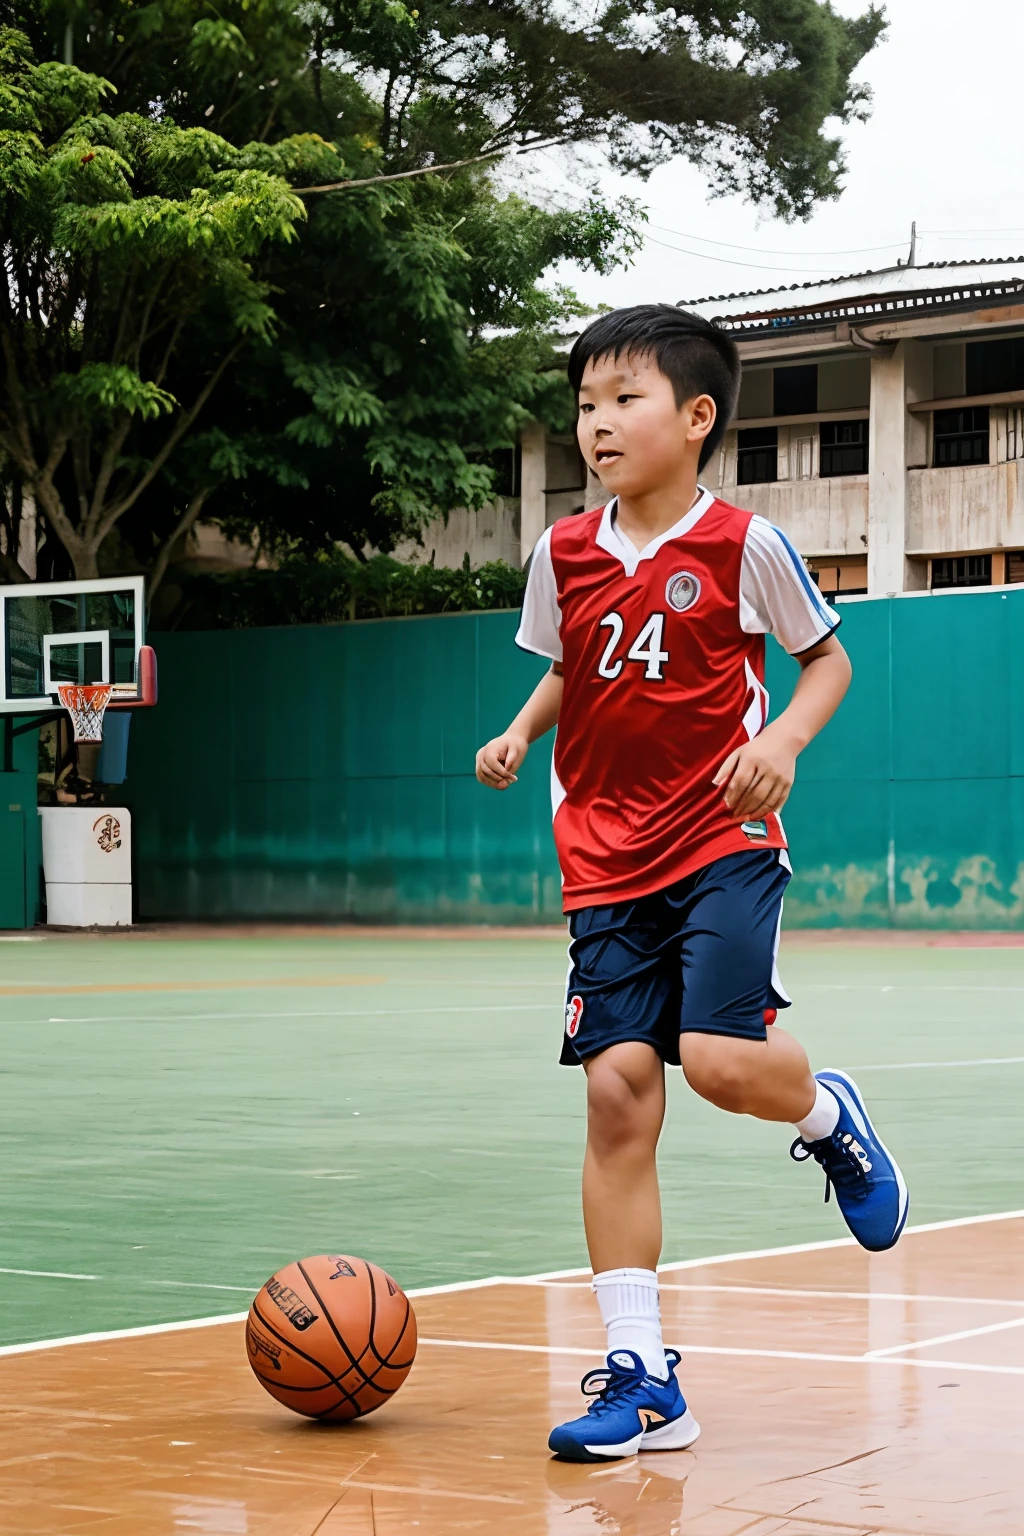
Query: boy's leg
x,y
622,1007
621,1200
735,1058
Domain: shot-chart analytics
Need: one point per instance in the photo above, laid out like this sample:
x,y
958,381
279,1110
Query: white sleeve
x,y
777,596
541,616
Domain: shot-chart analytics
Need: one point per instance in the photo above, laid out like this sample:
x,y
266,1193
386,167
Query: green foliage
x,y
332,591
185,334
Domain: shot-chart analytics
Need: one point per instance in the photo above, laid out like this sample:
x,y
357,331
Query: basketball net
x,y
86,704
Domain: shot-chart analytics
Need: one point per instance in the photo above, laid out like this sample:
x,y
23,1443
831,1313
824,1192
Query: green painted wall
x,y
20,837
358,798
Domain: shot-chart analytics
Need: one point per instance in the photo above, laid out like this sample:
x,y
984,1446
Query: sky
x,y
942,146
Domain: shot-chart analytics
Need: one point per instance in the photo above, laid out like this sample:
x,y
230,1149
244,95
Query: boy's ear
x,y
703,414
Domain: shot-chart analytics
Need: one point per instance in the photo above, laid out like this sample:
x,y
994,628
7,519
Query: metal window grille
x,y
962,571
844,448
757,455
961,437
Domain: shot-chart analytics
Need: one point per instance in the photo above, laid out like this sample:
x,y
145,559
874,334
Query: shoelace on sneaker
x,y
609,1387
842,1167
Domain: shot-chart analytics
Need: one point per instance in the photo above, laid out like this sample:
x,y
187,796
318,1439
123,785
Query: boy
x,y
667,783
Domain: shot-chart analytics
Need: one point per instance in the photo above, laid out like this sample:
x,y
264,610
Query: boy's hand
x,y
758,777
496,762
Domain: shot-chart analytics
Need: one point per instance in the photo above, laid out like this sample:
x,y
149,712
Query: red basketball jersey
x,y
663,658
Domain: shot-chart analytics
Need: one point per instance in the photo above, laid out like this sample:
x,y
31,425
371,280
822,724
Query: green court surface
x,y
179,1117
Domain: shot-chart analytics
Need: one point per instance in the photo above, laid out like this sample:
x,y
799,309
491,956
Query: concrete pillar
x,y
896,441
533,440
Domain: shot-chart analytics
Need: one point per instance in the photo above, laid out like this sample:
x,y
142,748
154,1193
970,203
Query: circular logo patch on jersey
x,y
682,591
573,1015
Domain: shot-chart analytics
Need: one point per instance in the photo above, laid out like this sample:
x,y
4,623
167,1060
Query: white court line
x,y
204,1285
901,986
773,1290
491,1280
778,1253
48,1274
744,1354
906,1066
945,1338
123,1333
329,1013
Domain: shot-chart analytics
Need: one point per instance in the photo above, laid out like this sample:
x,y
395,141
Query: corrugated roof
x,y
865,296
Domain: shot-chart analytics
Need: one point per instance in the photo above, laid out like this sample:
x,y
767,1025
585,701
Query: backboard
x,y
73,632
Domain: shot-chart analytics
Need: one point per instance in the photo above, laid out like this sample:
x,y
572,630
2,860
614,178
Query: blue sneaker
x,y
631,1412
870,1189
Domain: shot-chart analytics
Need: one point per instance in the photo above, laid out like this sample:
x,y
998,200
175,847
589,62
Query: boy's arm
x,y
759,776
496,762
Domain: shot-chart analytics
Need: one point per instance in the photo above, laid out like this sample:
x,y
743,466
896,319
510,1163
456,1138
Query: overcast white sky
x,y
942,146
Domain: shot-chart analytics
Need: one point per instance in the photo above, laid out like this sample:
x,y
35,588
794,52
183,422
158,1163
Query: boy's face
x,y
630,430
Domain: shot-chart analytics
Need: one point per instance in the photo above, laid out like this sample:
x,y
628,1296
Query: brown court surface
x,y
800,1366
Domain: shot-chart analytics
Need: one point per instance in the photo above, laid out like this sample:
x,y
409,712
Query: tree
x,y
183,333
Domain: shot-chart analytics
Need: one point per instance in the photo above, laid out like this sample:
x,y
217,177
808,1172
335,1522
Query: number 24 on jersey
x,y
645,649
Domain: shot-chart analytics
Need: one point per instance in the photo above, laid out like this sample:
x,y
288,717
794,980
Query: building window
x,y
506,463
962,571
993,367
796,390
961,437
757,455
844,448
1015,566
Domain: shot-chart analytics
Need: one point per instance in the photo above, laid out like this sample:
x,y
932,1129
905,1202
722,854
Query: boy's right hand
x,y
496,762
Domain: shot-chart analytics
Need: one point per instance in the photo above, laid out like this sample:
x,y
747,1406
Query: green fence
x,y
327,772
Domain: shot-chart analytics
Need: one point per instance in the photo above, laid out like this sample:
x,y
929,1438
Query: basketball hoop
x,y
86,704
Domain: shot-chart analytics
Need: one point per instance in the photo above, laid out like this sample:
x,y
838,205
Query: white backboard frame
x,y
31,705
100,637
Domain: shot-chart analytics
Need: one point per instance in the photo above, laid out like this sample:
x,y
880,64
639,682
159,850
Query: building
x,y
880,423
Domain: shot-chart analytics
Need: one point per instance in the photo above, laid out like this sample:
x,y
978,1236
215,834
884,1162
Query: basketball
x,y
331,1337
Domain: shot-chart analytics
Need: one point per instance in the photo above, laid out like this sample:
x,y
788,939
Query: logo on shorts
x,y
682,591
755,829
573,1015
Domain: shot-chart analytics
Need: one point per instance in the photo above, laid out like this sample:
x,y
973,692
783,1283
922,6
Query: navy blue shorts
x,y
696,957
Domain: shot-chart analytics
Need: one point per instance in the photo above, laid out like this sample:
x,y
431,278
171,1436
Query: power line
x,y
756,266
769,251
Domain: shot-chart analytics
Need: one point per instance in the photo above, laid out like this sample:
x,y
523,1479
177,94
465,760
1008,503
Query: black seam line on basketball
x,y
330,1320
268,1323
332,1380
382,1363
371,1341
325,1386
390,1364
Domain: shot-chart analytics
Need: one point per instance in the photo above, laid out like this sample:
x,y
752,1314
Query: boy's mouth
x,y
607,455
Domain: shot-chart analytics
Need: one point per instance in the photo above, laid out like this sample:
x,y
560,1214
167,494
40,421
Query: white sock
x,y
628,1299
823,1117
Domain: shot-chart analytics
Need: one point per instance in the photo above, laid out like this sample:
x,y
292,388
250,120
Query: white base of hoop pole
x,y
87,865
88,906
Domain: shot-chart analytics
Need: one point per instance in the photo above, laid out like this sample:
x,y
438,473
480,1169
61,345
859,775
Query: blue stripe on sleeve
x,y
824,611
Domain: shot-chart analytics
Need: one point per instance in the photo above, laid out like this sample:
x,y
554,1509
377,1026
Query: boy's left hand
x,y
758,777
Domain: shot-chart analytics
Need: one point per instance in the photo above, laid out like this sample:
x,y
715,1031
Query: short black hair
x,y
694,354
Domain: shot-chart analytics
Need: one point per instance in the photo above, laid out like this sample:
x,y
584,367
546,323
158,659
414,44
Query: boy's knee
x,y
722,1070
622,1108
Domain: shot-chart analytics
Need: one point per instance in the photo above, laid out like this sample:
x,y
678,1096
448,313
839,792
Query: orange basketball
x,y
332,1338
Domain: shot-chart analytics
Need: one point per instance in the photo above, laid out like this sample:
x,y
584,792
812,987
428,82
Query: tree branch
x,y
424,170
186,521
170,443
